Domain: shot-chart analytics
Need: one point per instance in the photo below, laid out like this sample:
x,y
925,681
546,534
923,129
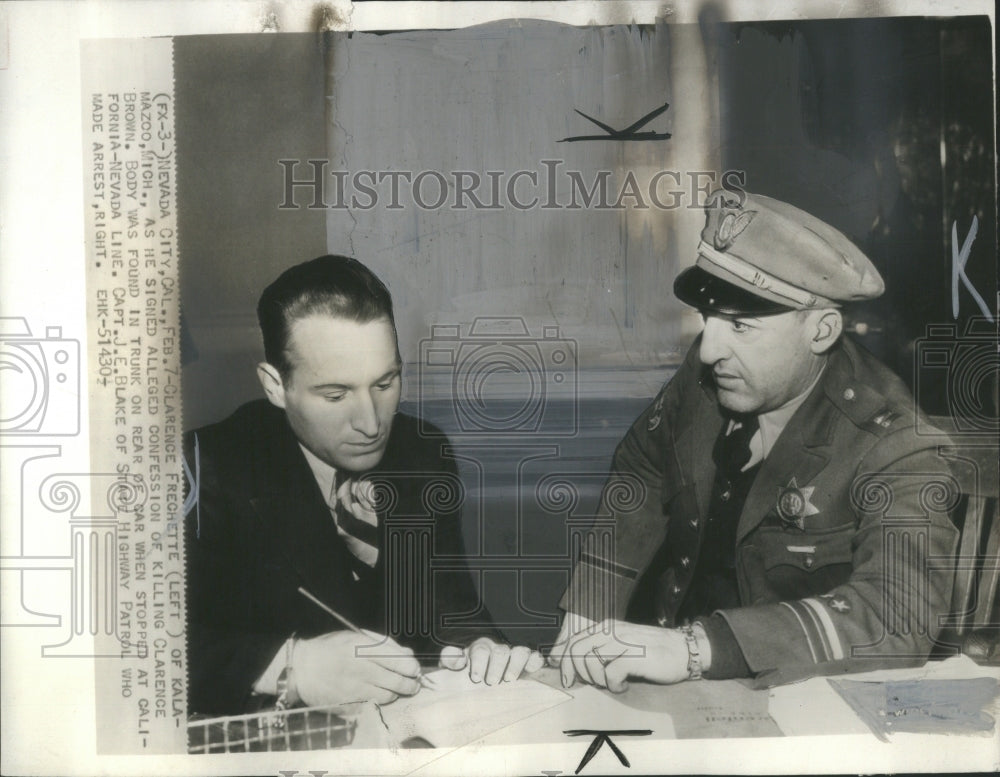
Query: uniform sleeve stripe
x,y
831,631
820,633
805,631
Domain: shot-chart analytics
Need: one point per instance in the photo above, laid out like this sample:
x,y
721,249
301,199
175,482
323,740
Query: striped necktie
x,y
356,519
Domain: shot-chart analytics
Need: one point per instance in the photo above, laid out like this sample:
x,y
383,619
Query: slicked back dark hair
x,y
335,286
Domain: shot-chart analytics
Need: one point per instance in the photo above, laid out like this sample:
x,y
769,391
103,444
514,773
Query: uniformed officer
x,y
786,512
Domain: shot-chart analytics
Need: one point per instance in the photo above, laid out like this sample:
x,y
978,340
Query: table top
x,y
724,709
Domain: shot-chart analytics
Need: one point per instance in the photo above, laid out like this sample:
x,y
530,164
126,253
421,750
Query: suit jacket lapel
x,y
295,514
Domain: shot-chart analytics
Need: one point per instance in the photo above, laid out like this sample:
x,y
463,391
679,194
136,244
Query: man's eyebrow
x,y
732,317
388,374
328,386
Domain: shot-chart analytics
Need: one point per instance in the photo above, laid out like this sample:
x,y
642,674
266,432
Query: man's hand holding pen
x,y
343,666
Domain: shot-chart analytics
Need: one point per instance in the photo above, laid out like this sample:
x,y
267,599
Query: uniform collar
x,y
773,423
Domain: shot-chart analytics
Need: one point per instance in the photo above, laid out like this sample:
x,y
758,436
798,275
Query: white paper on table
x,y
584,708
813,707
590,708
457,711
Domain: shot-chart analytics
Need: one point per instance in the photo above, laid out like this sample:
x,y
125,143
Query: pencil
x,y
425,681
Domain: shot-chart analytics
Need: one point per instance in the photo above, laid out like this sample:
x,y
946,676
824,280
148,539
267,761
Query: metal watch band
x,y
281,703
694,655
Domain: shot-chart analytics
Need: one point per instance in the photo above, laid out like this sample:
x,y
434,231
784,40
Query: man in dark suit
x,y
789,520
322,497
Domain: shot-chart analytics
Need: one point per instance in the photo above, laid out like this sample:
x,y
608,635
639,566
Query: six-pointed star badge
x,y
794,504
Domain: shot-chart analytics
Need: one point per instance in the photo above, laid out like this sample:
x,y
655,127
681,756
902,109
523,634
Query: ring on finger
x,y
603,659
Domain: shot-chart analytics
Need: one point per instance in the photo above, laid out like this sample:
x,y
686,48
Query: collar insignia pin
x,y
654,420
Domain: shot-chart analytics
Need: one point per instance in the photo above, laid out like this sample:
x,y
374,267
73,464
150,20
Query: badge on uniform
x,y
794,505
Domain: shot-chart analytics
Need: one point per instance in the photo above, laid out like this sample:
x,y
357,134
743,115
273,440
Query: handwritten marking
x,y
629,133
958,262
600,737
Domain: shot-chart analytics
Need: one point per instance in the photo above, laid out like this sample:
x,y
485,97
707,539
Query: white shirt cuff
x,y
267,683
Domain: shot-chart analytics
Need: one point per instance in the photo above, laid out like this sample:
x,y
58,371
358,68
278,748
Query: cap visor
x,y
708,293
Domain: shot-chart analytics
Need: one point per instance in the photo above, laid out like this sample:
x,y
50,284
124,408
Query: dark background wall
x,y
243,102
883,128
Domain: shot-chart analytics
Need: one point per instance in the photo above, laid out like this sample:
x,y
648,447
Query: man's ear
x,y
270,380
827,327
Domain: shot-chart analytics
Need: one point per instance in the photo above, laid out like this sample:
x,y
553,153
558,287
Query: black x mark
x,y
600,737
629,133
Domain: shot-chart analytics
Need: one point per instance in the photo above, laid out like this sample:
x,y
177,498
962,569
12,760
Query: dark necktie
x,y
729,490
714,584
732,451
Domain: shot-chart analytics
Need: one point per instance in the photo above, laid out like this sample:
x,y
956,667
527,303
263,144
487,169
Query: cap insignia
x,y
730,227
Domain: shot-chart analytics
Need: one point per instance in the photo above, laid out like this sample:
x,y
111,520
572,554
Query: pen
x,y
425,681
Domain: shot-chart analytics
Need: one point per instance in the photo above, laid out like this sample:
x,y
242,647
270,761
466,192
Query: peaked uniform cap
x,y
765,256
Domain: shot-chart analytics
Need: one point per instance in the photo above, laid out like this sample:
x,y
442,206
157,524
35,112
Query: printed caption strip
x,y
133,383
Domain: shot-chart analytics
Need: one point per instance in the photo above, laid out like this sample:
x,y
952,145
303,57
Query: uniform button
x,y
849,394
809,561
675,590
724,496
685,561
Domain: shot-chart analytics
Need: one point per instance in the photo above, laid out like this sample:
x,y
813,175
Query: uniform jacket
x,y
843,543
260,529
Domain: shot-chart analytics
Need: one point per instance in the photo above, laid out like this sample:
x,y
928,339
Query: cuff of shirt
x,y
727,657
267,683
